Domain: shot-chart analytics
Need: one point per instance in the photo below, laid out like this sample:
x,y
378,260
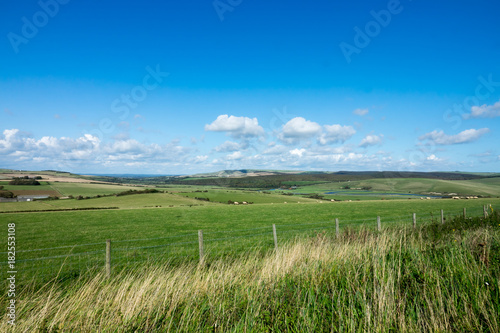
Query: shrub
x,y
6,194
23,181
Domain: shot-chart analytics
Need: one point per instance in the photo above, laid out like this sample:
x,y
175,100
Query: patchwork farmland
x,y
155,229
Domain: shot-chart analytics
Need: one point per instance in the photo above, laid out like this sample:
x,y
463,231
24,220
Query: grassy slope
x,y
83,189
66,189
225,195
44,186
125,202
487,186
436,279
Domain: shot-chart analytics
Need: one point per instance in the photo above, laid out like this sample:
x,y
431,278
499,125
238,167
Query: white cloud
x,y
11,141
336,133
297,129
84,151
237,127
237,155
360,112
371,140
298,152
432,158
230,146
439,138
484,111
275,150
325,150
200,158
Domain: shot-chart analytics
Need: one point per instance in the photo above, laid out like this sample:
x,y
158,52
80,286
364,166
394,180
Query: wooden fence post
x,y
442,216
108,258
465,213
485,211
275,237
379,227
414,220
337,231
200,243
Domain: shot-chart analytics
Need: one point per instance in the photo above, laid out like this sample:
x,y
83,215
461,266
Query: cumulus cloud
x,y
16,146
371,140
440,138
237,155
298,152
16,143
432,158
230,146
336,133
200,158
484,111
297,129
360,112
237,127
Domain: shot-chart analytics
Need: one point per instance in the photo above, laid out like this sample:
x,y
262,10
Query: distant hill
x,y
244,173
254,178
274,179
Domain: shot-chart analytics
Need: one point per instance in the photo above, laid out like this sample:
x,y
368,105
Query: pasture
x,y
143,234
437,277
144,227
257,197
483,187
83,189
154,235
48,229
137,201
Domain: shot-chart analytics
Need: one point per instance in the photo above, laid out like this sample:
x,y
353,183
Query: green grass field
x,y
484,187
257,197
435,278
238,227
90,190
399,277
140,214
42,187
66,189
145,226
137,201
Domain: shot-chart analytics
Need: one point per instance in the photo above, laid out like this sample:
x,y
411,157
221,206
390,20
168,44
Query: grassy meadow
x,y
365,280
482,187
76,239
437,278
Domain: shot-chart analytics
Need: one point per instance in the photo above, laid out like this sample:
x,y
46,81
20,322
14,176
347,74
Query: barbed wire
x,y
60,256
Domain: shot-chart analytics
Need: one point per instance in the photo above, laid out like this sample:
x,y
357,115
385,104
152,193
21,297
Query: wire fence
x,y
73,261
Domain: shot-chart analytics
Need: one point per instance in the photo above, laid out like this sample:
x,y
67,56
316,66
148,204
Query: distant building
x,y
24,198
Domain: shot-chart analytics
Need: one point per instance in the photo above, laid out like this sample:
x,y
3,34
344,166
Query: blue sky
x,y
179,87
